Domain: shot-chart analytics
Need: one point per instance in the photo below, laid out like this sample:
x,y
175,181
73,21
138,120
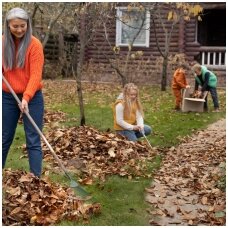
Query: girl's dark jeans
x,y
10,117
135,135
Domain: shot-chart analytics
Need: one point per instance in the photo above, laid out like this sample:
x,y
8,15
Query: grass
x,y
122,203
168,126
122,200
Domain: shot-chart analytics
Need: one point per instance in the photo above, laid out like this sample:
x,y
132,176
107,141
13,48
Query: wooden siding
x,y
151,53
183,41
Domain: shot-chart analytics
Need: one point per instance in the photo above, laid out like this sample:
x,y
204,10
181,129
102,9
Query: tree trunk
x,y
47,34
82,38
80,96
77,67
61,54
79,84
33,19
124,80
164,73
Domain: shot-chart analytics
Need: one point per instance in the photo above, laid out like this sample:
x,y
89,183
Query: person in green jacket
x,y
208,82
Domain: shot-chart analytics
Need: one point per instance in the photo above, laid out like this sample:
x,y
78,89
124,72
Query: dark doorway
x,y
212,28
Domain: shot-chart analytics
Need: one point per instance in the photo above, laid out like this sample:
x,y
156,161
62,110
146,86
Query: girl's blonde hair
x,y
127,102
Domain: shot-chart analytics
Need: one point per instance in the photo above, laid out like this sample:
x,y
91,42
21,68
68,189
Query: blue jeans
x,y
214,96
135,135
10,116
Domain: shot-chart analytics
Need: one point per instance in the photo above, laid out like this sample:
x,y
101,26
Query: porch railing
x,y
214,57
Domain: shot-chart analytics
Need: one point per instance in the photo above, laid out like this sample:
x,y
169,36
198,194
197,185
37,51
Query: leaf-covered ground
x,y
28,200
185,190
90,154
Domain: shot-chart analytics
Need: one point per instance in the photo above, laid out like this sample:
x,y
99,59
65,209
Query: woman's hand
x,y
24,106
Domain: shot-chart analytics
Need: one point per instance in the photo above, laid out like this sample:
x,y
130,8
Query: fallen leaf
x,y
204,200
111,152
185,193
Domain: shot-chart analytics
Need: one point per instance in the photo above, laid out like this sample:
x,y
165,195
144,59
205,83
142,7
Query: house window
x,y
132,27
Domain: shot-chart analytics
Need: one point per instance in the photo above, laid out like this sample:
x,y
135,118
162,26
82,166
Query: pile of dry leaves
x,y
28,200
94,155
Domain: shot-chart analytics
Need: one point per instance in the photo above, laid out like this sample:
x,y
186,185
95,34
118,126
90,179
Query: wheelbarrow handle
x,y
36,127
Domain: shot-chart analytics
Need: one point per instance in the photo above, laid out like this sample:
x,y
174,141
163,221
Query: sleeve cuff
x,y
26,97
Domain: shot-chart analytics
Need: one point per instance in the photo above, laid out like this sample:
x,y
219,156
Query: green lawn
x,y
122,200
122,203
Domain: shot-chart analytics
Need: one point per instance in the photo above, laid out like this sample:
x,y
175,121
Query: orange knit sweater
x,y
27,80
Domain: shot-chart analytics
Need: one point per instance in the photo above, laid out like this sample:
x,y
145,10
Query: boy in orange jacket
x,y
178,83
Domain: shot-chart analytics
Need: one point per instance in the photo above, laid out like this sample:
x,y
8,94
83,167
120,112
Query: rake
x,y
73,184
146,139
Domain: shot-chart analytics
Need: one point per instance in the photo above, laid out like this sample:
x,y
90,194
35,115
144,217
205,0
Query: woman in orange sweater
x,y
179,82
22,65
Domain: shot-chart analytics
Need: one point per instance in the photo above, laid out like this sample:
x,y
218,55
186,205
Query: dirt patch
x,y
185,190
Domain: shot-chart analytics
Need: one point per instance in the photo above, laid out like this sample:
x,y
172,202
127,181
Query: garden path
x,y
185,189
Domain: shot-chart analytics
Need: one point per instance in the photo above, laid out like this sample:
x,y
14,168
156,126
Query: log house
x,y
204,42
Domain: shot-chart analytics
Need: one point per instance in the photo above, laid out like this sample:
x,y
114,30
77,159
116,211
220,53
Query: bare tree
x,y
51,14
177,12
135,12
87,19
